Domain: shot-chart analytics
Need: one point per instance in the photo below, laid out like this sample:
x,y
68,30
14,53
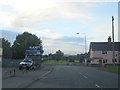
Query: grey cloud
x,y
9,35
74,41
71,39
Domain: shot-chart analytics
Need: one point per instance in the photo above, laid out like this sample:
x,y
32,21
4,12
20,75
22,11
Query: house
x,y
101,52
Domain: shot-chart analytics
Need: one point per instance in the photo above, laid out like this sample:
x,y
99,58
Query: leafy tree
x,y
59,55
5,44
22,41
82,57
50,56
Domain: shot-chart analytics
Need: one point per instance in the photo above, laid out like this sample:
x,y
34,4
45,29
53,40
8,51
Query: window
x,y
103,61
115,60
104,52
106,60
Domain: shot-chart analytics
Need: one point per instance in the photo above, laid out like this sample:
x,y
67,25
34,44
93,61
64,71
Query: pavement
x,y
63,76
23,78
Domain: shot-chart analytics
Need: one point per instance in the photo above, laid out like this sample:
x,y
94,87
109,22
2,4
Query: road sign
x,y
33,50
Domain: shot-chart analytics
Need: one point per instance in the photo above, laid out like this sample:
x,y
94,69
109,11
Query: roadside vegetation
x,y
60,62
112,68
20,44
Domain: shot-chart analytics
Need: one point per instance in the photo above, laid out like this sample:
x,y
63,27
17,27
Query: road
x,y
71,76
77,77
0,75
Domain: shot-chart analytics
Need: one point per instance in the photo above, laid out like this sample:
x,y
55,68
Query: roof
x,y
98,46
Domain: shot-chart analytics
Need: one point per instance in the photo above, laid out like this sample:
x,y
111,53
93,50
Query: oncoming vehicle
x,y
27,63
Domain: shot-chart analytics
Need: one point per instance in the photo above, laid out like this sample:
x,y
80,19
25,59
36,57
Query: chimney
x,y
109,39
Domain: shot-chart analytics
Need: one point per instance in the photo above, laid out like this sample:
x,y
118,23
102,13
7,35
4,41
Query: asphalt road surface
x,y
76,77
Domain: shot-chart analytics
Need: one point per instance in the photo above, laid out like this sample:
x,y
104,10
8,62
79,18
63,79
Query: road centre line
x,y
44,74
84,76
87,78
29,84
97,85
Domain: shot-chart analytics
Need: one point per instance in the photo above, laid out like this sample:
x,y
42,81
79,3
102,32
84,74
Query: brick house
x,y
101,52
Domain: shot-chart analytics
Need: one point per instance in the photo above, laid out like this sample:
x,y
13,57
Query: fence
x,y
10,63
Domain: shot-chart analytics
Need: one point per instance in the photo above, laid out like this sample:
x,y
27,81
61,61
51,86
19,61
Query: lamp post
x,y
85,46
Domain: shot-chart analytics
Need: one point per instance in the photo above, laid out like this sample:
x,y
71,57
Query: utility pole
x,y
113,45
85,47
25,45
85,43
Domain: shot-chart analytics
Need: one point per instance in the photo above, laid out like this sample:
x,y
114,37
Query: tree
x,y
50,56
22,41
83,56
7,53
59,55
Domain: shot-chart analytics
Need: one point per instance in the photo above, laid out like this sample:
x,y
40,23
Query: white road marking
x,y
30,83
44,74
83,75
97,85
87,78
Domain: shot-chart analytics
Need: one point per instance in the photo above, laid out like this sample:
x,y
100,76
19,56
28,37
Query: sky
x,y
56,22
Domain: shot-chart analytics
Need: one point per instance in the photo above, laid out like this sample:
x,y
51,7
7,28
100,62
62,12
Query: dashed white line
x,y
87,78
30,83
44,74
83,75
97,85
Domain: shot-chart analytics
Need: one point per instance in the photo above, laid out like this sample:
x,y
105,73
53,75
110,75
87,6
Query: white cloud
x,y
102,33
45,33
24,5
31,12
6,18
51,34
48,33
52,45
28,14
67,49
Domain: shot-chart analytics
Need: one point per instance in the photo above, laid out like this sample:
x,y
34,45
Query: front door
x,y
100,63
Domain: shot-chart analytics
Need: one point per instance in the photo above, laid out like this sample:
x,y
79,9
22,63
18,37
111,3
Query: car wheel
x,y
27,68
20,68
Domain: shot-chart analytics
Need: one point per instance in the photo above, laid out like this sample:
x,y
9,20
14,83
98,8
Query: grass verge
x,y
59,62
112,68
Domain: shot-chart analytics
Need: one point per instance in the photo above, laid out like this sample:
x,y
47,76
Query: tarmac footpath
x,y
22,79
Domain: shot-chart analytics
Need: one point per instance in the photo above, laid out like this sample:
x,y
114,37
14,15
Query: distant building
x,y
101,52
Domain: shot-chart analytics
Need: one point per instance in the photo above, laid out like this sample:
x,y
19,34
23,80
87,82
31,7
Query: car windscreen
x,y
27,60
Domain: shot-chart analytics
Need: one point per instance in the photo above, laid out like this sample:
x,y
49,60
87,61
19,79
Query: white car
x,y
27,63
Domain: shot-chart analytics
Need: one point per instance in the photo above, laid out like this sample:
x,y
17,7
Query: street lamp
x,y
85,46
85,41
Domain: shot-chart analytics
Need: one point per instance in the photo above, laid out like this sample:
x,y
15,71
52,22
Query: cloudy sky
x,y
56,22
